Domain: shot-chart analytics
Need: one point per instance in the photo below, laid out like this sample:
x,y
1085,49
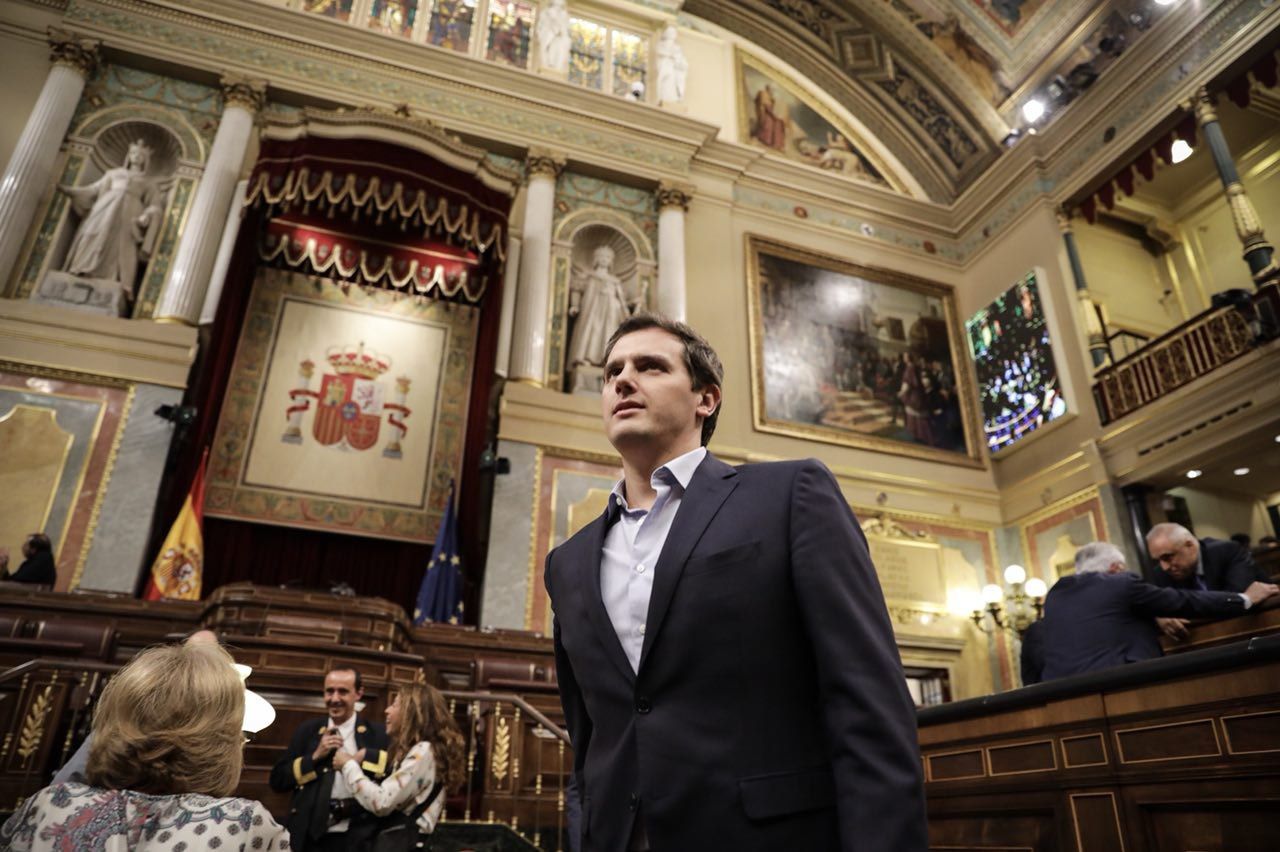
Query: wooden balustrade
x,y
1192,350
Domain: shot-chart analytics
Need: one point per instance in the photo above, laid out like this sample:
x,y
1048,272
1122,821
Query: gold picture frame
x,y
850,382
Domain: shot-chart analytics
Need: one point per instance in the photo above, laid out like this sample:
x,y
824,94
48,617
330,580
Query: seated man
x,y
37,568
1103,616
324,815
1207,563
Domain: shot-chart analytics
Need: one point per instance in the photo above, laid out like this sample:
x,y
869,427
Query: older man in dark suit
x,y
1187,562
1103,616
726,663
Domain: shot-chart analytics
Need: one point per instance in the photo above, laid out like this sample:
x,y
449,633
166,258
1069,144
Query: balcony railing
x,y
1194,349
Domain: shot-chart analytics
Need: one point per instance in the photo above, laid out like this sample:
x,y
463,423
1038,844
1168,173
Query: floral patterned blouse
x,y
403,790
78,818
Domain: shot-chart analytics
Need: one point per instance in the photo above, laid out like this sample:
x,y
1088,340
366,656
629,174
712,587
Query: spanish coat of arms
x,y
350,403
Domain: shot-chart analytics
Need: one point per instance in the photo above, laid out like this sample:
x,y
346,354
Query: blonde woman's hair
x,y
170,722
425,717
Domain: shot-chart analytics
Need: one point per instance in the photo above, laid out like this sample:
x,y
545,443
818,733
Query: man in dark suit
x,y
37,567
1103,616
1187,562
726,662
323,815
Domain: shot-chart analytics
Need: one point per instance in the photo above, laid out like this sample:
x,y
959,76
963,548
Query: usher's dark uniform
x,y
312,810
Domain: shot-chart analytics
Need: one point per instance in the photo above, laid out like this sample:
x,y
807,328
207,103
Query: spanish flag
x,y
179,567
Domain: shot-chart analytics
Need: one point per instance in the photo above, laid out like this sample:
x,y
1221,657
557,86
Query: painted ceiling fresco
x,y
945,78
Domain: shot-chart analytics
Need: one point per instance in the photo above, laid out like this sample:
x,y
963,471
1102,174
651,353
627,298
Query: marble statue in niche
x,y
673,68
598,302
120,219
121,212
552,30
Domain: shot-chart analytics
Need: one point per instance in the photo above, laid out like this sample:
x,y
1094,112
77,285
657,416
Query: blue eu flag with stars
x,y
440,596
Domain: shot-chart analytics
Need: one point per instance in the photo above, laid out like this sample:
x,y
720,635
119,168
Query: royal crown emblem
x,y
350,402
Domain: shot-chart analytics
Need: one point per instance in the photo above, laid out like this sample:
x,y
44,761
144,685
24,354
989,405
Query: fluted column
x,y
193,260
673,203
506,320
222,261
1097,333
529,334
30,169
1258,252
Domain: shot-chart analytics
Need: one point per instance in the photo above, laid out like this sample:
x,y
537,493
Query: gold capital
x,y
1063,215
243,92
76,52
1205,112
671,194
542,162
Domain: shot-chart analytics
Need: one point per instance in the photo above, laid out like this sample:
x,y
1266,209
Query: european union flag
x,y
440,597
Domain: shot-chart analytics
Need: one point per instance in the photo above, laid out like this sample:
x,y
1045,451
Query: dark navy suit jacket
x,y
1095,621
1228,567
769,710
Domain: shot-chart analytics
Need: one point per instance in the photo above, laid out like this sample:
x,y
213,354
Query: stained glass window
x,y
510,23
630,61
339,9
393,17
451,23
586,53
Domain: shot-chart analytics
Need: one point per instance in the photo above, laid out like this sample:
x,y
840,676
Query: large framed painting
x,y
776,114
346,410
858,356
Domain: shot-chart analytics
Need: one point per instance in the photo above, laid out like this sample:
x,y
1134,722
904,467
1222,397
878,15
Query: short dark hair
x,y
700,359
353,670
40,543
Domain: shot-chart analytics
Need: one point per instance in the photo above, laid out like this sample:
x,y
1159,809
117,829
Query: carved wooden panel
x,y
1172,741
1252,733
1022,757
1097,822
953,766
1084,750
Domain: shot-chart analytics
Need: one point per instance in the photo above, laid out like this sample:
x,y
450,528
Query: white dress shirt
x,y
340,788
632,547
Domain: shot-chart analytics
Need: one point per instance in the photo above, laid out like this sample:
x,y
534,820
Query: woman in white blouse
x,y
426,753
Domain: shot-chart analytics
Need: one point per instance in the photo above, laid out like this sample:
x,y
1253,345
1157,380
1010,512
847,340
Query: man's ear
x,y
709,401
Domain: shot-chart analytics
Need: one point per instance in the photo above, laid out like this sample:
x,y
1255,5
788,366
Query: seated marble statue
x,y
120,221
599,302
166,756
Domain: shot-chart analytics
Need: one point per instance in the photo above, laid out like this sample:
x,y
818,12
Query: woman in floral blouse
x,y
426,751
166,755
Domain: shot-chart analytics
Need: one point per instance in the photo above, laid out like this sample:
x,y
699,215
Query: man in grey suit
x,y
726,662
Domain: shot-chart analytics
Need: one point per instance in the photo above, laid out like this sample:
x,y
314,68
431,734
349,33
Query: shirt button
x,y
643,706
633,802
640,630
640,568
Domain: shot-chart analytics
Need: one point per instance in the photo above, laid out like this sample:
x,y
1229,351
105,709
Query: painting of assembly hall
x,y
856,356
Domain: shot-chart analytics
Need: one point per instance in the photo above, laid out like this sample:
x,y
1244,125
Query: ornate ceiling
x,y
941,81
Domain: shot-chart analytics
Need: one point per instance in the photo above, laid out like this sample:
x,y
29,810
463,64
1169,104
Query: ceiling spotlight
x,y
1181,150
1241,471
1278,439
1165,2
1194,473
1033,110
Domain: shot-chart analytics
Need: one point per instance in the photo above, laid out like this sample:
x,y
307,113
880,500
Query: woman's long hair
x,y
425,717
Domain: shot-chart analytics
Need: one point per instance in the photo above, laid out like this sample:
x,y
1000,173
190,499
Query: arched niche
x,y
574,242
96,144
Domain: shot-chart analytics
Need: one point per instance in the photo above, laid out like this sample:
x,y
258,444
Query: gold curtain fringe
x,y
337,191
370,272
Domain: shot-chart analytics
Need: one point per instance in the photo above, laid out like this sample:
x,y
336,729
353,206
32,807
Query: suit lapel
x,y
589,560
712,482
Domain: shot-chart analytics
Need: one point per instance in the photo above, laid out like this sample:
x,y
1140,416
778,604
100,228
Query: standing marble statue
x,y
552,30
600,303
121,217
673,68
